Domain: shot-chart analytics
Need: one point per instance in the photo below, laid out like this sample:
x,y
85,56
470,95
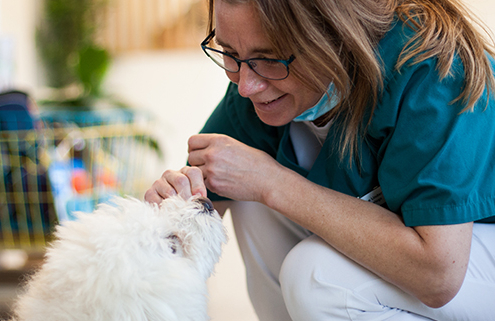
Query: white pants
x,y
294,275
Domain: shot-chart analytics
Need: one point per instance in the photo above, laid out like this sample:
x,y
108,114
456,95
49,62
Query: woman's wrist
x,y
280,186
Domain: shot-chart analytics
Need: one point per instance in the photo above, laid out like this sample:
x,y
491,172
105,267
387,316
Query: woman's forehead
x,y
238,27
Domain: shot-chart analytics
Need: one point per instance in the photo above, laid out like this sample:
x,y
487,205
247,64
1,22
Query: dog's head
x,y
129,230
194,231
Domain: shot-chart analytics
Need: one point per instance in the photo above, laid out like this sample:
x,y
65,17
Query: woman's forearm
x,y
428,262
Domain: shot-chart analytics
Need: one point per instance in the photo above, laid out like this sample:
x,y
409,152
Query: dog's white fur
x,y
133,261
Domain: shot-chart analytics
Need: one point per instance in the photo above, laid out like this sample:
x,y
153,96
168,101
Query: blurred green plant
x,y
66,43
91,68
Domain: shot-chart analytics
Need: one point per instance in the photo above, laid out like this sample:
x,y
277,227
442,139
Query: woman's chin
x,y
274,120
276,113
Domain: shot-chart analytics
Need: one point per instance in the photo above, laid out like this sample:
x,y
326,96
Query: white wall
x,y
484,9
17,23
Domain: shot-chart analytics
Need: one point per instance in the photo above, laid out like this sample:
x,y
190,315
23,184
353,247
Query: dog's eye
x,y
174,243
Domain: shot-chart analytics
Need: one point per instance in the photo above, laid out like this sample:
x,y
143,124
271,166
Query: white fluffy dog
x,y
132,261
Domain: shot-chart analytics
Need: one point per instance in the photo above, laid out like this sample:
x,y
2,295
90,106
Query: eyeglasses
x,y
274,69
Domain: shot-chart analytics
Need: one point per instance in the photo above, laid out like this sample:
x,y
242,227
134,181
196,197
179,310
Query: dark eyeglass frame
x,y
249,62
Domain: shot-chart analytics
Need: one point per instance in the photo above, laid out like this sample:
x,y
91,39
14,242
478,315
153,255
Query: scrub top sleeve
x,y
437,165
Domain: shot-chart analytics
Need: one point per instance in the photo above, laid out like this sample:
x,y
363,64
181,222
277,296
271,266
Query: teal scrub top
x,y
434,165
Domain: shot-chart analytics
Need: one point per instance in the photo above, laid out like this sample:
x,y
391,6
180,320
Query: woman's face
x,y
277,102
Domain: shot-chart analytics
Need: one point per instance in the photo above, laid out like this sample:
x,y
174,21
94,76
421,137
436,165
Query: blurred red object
x,y
107,178
81,181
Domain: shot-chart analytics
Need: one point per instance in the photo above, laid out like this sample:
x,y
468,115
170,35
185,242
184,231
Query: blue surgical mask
x,y
323,106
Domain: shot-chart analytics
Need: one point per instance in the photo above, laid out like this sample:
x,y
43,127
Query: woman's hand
x,y
224,165
186,182
233,169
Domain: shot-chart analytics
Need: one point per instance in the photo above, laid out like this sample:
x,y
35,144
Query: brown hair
x,y
337,39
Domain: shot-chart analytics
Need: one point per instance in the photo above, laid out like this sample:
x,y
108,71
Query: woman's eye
x,y
270,62
174,243
233,54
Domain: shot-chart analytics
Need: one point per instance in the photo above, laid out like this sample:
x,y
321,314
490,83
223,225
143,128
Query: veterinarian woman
x,y
356,143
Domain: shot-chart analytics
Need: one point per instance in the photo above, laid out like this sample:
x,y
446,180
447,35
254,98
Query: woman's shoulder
x,y
393,45
394,40
424,143
416,85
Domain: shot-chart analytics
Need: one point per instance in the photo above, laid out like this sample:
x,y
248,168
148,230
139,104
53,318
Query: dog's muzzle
x,y
207,204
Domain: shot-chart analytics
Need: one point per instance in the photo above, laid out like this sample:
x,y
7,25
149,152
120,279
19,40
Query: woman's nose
x,y
249,83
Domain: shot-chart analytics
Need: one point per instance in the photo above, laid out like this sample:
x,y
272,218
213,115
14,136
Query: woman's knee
x,y
304,290
320,283
295,276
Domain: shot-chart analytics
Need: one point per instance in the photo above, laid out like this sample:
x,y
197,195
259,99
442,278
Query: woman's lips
x,y
269,105
275,112
271,101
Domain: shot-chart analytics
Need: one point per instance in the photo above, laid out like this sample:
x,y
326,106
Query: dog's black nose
x,y
207,204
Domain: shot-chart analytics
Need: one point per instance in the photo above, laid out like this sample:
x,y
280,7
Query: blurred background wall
x,y
158,67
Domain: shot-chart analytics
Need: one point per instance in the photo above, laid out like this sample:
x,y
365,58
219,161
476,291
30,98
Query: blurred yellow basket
x,y
47,175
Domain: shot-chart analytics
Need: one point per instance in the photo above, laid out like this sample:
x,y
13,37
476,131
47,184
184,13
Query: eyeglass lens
x,y
266,68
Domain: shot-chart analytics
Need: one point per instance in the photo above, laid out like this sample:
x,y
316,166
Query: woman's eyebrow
x,y
221,43
261,50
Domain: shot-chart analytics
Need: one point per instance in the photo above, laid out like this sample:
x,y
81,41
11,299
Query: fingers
x,y
186,183
152,196
160,189
205,148
203,141
196,180
189,180
196,142
198,145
